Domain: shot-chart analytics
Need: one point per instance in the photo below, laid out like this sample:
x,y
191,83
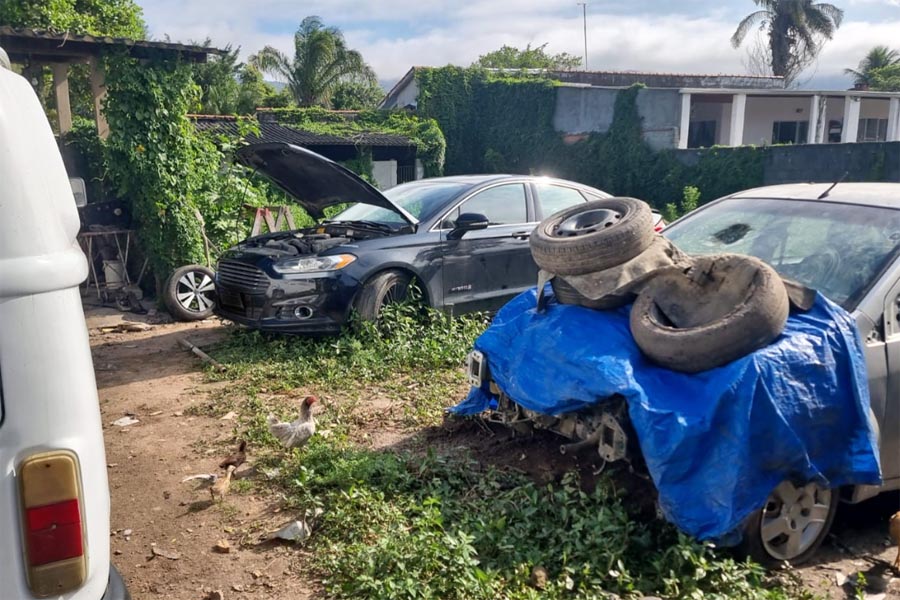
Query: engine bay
x,y
301,242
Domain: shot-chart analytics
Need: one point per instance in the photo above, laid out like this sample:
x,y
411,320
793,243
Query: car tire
x,y
566,294
190,293
791,526
387,287
718,310
592,236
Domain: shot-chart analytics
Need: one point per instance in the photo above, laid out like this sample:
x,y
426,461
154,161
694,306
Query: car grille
x,y
242,276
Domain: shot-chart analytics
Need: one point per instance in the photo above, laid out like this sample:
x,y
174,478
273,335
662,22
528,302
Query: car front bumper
x,y
315,304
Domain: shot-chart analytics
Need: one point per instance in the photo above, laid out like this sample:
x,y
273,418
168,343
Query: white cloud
x,y
396,34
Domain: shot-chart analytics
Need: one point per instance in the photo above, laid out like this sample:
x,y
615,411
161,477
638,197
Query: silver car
x,y
844,241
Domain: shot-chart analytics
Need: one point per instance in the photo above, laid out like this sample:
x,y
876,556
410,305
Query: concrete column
x,y
738,107
61,90
893,126
98,89
851,119
812,131
822,124
685,121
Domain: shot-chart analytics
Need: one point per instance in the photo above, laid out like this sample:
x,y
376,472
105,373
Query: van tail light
x,y
52,523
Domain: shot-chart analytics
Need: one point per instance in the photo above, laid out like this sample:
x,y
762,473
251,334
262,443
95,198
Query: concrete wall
x,y
820,162
829,162
591,109
385,173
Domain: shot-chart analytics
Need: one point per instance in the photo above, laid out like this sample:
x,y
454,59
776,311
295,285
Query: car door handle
x,y
521,235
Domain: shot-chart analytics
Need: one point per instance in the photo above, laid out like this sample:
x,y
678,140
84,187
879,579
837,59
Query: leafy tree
x,y
217,78
510,57
877,58
321,61
356,95
255,92
796,31
118,18
886,79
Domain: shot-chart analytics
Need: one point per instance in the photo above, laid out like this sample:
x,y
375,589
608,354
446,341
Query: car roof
x,y
871,194
479,179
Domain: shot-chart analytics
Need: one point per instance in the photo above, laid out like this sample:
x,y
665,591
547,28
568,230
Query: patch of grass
x,y
404,526
399,526
406,340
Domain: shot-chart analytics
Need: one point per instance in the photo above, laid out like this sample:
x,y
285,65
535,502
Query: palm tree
x,y
321,61
796,30
876,58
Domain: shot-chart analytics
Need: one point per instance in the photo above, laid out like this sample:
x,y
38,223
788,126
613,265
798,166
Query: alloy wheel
x,y
195,291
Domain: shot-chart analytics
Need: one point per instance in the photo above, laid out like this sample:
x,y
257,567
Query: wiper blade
x,y
370,224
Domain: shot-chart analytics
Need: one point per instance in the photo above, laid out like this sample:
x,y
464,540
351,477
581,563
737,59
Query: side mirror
x,y
468,222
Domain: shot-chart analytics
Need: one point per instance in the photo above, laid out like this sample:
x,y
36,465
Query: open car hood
x,y
312,180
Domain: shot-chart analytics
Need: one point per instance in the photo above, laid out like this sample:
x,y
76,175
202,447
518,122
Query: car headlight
x,y
314,264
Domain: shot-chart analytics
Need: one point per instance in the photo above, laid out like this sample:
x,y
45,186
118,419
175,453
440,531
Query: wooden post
x,y
98,89
61,89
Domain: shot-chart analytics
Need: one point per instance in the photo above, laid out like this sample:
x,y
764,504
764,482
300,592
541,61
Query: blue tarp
x,y
718,442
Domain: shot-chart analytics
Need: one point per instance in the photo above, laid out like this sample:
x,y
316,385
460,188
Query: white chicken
x,y
296,433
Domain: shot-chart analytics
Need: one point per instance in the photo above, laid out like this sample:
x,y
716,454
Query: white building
x,y
697,111
762,117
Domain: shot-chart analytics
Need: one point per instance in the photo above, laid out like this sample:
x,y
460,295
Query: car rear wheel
x,y
389,287
792,525
190,293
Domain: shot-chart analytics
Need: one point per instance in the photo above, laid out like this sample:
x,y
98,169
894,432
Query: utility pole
x,y
583,6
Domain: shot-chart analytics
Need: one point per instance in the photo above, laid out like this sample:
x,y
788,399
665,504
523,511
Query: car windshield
x,y
838,249
422,199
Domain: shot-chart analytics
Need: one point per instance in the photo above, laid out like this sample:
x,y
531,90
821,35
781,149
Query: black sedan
x,y
463,239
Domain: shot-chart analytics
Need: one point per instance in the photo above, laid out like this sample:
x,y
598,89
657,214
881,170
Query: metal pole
x,y
583,6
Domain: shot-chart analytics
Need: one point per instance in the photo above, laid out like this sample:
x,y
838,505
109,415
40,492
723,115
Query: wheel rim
x,y
194,291
393,295
793,519
588,221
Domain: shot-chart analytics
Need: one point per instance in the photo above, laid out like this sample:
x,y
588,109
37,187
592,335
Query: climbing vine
x,y
424,133
163,168
494,122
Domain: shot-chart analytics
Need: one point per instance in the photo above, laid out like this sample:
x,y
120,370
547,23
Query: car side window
x,y
502,205
554,198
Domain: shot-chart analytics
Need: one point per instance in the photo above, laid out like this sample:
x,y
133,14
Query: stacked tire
x,y
716,310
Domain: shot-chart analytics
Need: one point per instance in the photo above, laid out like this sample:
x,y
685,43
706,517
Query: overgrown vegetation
x,y
408,525
423,132
166,170
484,136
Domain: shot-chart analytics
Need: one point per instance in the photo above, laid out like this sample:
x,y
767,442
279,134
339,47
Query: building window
x,y
872,130
790,132
702,134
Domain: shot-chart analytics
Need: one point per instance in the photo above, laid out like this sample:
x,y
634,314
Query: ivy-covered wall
x,y
496,123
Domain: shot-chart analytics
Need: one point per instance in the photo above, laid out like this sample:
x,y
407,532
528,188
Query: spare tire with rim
x,y
190,293
720,309
592,236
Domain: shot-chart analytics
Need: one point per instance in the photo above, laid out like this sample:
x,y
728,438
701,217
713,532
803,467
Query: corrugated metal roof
x,y
23,43
276,132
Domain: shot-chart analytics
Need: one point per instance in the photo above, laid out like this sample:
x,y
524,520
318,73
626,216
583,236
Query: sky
x,y
686,36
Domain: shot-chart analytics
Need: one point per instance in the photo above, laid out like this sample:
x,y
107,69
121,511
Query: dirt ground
x,y
164,531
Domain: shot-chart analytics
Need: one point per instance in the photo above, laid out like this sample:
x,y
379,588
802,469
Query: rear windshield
x,y
838,249
422,199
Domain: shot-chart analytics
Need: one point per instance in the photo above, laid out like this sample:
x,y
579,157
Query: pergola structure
x,y
36,48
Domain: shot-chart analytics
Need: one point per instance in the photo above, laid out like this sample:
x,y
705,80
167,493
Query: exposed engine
x,y
306,241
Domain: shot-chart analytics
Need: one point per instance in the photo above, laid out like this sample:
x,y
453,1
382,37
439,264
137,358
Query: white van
x,y
54,495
